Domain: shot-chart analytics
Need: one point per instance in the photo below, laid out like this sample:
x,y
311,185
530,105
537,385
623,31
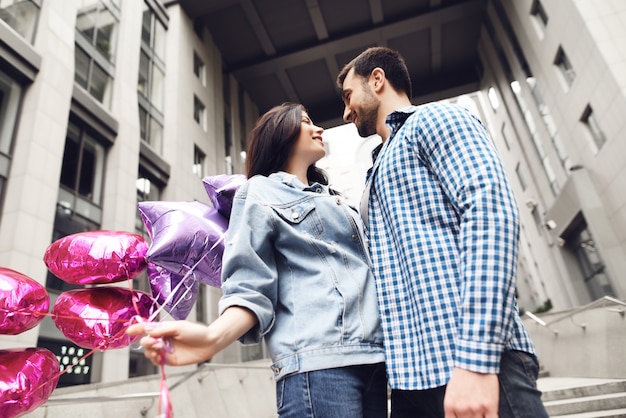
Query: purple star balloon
x,y
222,189
175,292
186,236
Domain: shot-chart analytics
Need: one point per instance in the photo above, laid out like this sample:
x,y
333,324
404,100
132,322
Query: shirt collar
x,y
292,181
397,118
394,121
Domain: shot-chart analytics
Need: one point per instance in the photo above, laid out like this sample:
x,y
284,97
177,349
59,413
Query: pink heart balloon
x,y
23,302
98,317
186,236
96,257
28,376
222,189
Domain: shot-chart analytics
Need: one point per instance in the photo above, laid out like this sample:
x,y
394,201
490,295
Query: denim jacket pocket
x,y
295,214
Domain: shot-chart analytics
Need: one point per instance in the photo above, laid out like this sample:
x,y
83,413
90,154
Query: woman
x,y
295,272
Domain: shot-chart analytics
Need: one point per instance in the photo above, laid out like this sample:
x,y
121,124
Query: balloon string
x,y
71,366
59,316
67,369
164,396
173,292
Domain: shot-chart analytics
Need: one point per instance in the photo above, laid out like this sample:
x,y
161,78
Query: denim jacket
x,y
295,256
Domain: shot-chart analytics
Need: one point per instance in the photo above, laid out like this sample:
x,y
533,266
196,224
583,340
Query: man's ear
x,y
377,79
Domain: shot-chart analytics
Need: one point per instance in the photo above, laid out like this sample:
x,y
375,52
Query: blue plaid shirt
x,y
444,231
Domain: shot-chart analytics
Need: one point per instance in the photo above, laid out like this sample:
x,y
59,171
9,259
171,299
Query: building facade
x,y
107,103
554,98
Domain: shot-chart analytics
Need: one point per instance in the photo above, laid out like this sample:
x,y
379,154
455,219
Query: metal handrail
x,y
201,367
569,315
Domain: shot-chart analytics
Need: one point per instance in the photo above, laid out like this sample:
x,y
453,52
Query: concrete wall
x,y
567,349
214,391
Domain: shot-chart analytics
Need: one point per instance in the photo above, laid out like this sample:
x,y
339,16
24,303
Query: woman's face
x,y
309,148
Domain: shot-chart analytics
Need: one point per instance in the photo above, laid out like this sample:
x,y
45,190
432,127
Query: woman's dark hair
x,y
391,62
272,140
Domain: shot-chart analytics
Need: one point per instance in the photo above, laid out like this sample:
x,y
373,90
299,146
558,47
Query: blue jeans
x,y
344,392
519,397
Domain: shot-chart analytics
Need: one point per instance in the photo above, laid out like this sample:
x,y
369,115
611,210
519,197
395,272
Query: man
x,y
444,231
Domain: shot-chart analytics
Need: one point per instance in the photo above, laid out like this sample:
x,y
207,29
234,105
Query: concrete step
x,y
586,390
611,401
583,397
614,413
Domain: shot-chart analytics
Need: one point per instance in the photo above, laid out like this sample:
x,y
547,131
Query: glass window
x,y
151,129
147,190
593,270
81,67
70,354
156,90
96,27
198,162
539,12
159,39
564,64
21,16
198,68
82,173
597,135
100,86
520,176
547,119
504,137
144,74
198,111
151,79
493,98
153,32
228,144
99,24
10,95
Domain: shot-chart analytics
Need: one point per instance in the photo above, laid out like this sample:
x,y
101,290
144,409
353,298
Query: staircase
x,y
584,398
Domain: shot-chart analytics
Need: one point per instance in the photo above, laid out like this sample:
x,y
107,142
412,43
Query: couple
x,y
425,303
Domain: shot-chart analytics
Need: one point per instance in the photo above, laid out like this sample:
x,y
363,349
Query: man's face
x,y
361,104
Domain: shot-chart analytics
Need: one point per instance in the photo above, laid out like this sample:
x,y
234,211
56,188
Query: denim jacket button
x,y
355,237
338,200
295,215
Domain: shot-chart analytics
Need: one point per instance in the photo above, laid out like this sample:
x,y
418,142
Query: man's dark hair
x,y
390,61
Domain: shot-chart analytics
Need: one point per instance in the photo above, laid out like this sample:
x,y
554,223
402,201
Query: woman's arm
x,y
191,342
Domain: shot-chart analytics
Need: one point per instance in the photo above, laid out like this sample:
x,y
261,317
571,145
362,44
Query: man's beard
x,y
366,118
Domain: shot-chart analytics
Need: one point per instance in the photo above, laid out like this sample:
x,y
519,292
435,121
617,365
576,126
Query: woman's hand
x,y
179,343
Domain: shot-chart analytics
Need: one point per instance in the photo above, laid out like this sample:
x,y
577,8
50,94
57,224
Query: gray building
x,y
107,103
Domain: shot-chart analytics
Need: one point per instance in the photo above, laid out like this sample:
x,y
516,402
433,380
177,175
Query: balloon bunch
x,y
187,243
97,317
28,376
